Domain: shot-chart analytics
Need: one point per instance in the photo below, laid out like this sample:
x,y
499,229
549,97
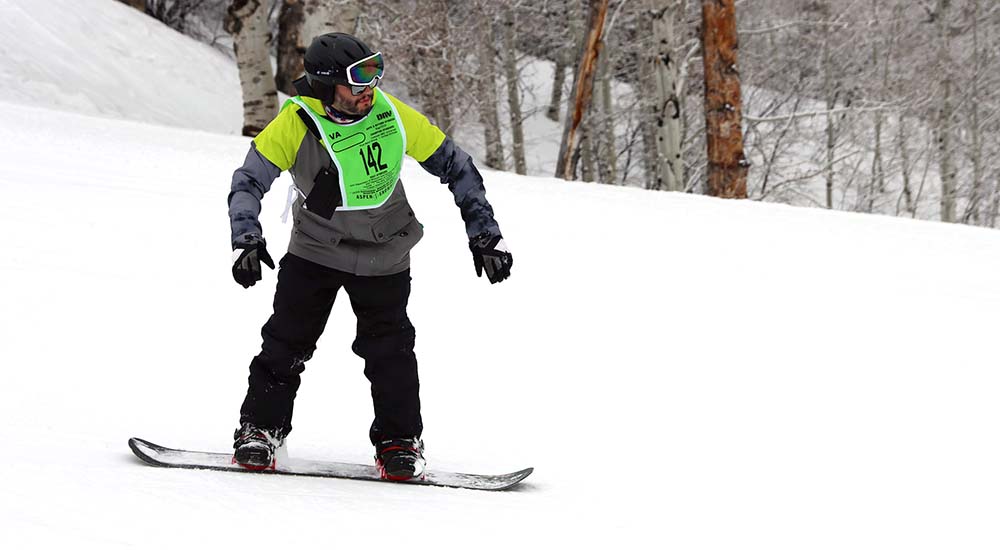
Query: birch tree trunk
x,y
583,85
587,148
876,185
670,165
972,214
944,118
326,16
488,114
291,45
246,21
902,141
513,93
647,101
727,167
299,21
558,82
831,88
609,146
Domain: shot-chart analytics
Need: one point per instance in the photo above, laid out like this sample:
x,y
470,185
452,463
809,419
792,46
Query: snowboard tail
x,y
157,455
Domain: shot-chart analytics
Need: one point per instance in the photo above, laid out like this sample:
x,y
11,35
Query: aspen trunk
x,y
291,45
299,21
513,93
906,169
488,115
668,114
972,211
326,16
246,21
727,167
583,85
587,149
832,92
609,146
876,185
647,123
555,100
944,118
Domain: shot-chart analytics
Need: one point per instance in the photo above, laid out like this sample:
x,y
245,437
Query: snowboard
x,y
158,455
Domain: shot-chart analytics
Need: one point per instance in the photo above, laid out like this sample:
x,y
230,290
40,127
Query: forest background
x,y
877,106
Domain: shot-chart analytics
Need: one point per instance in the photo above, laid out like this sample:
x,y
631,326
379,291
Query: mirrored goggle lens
x,y
358,90
364,72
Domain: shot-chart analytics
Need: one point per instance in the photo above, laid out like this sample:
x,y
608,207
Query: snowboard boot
x,y
255,447
400,459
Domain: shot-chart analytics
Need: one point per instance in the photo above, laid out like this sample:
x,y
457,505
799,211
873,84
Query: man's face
x,y
346,102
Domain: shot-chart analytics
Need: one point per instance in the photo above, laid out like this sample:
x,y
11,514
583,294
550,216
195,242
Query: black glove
x,y
490,253
248,253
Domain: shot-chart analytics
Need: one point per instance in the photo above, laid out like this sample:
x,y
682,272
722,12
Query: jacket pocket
x,y
306,227
388,227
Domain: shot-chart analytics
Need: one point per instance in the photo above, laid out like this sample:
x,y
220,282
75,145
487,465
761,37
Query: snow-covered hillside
x,y
102,57
682,372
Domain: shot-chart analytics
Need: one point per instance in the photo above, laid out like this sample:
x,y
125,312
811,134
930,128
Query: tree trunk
x,y
587,148
513,93
944,118
558,82
291,45
903,140
298,23
326,16
137,4
583,85
670,165
488,115
647,123
876,185
972,210
246,21
609,147
727,167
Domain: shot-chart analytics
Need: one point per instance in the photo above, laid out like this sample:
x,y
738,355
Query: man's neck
x,y
341,117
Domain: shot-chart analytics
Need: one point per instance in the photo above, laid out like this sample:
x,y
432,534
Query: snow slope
x,y
102,57
681,371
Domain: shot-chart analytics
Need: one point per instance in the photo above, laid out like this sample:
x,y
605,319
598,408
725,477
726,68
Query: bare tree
x,y
246,21
583,85
513,92
299,21
489,115
291,45
670,165
943,122
326,16
727,168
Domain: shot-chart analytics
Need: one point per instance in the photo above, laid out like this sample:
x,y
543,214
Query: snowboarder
x,y
343,139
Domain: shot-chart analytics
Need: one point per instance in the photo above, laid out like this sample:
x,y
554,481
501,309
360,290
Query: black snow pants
x,y
385,339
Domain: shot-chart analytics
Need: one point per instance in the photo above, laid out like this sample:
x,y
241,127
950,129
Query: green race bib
x,y
368,154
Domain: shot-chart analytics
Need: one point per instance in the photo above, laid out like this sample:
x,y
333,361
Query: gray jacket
x,y
363,242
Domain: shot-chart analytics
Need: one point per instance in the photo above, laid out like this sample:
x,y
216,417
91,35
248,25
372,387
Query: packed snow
x,y
681,371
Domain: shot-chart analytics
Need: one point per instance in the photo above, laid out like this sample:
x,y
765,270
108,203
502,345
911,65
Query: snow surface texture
x,y
682,372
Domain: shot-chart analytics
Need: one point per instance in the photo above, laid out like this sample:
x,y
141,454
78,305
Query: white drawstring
x,y
293,193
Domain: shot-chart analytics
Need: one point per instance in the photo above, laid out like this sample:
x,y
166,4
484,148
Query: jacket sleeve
x,y
455,168
250,182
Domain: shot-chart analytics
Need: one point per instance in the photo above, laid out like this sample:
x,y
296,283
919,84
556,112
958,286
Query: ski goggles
x,y
365,73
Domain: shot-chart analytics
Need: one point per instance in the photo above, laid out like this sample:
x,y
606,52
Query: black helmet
x,y
334,59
